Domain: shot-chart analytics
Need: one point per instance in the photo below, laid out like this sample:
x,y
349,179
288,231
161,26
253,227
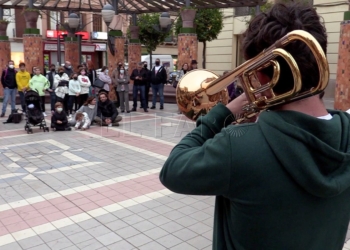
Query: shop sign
x,y
99,35
61,33
52,47
87,48
100,46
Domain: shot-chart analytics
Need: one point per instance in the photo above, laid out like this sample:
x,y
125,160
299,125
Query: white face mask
x,y
59,110
11,66
122,71
91,106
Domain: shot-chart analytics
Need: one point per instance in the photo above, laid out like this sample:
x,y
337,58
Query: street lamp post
x,y
58,44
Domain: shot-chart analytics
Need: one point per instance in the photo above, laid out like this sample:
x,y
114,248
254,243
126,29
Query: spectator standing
x,y
121,81
61,82
158,79
147,84
22,79
74,91
68,68
104,77
139,75
40,84
84,85
51,77
8,81
91,73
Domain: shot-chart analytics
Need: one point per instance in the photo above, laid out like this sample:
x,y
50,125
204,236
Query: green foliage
x,y
148,36
208,24
4,21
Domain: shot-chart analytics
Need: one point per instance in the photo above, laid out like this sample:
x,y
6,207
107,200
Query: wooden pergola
x,y
126,6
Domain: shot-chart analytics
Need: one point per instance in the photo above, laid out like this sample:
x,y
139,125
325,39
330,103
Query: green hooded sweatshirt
x,y
280,184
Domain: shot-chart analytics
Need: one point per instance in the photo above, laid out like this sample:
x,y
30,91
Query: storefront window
x,y
54,17
97,22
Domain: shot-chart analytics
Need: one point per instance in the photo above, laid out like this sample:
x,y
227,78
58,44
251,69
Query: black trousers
x,y
42,98
81,100
148,86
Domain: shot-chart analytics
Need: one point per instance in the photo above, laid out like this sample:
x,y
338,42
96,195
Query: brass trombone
x,y
200,90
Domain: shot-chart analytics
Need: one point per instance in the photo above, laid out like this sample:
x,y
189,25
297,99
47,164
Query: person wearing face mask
x,y
139,75
40,84
121,81
85,84
51,77
59,121
8,80
158,79
22,79
74,90
104,77
61,82
90,108
68,68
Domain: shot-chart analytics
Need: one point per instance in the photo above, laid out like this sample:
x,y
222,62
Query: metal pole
x,y
115,5
188,3
257,9
58,44
79,48
1,13
30,4
134,20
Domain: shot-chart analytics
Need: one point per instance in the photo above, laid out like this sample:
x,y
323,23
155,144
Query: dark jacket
x,y
92,76
280,183
107,109
142,73
59,117
8,78
160,77
69,72
51,77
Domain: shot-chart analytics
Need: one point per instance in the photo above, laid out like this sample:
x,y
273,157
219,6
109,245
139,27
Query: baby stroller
x,y
34,114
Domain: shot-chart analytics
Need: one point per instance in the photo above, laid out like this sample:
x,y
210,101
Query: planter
x,y
31,18
3,28
188,16
134,32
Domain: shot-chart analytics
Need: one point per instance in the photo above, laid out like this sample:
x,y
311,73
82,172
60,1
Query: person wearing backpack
x,y
8,80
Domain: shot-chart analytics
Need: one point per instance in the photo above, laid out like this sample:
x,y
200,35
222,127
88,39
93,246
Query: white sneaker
x,y
70,117
44,114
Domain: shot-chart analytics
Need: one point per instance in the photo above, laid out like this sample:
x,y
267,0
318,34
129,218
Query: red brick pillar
x,y
187,39
33,51
5,56
119,42
134,49
342,87
187,49
71,52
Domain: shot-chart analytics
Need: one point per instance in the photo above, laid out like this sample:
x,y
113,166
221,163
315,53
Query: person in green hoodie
x,y
40,84
283,182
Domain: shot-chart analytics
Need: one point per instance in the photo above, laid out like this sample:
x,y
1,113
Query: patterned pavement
x,y
98,189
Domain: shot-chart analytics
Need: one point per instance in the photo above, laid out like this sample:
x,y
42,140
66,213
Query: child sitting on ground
x,y
83,121
59,121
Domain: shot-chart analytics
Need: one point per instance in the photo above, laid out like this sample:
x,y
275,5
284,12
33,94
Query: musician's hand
x,y
237,104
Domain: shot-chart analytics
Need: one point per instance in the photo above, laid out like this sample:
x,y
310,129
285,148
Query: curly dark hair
x,y
266,28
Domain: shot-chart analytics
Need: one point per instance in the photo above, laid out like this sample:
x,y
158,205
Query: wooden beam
x,y
16,2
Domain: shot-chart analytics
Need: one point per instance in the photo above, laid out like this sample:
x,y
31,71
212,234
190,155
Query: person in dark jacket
x,y
8,80
107,113
51,77
68,68
140,76
158,79
282,182
59,121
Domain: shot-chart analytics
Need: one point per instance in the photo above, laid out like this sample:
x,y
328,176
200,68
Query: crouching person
x,y
83,121
59,121
107,114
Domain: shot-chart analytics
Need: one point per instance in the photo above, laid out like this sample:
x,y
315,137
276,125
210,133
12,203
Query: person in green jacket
x,y
40,84
283,182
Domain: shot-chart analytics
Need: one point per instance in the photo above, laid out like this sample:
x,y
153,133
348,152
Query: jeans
x,y
53,100
148,86
21,97
9,95
135,91
157,88
71,101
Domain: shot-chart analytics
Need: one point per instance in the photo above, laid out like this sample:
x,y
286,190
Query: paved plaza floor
x,y
98,189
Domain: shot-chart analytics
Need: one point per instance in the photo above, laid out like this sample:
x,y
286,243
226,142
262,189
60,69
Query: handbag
x,y
98,83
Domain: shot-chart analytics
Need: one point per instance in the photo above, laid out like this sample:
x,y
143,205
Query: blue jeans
x,y
53,100
157,88
9,94
135,91
21,97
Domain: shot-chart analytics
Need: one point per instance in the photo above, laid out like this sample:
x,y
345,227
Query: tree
x,y
149,36
208,24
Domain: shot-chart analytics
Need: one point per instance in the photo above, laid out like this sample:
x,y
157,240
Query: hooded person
x,y
282,182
